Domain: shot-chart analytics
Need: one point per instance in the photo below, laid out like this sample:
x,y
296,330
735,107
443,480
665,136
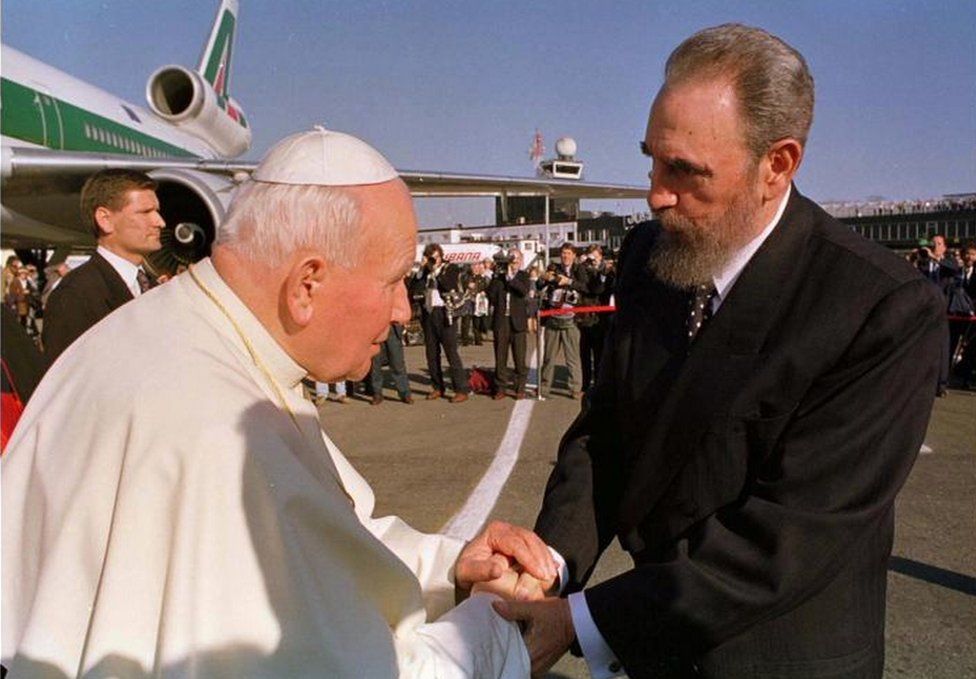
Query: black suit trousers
x,y
439,333
506,338
591,348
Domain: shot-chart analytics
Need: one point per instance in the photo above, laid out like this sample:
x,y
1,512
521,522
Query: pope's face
x,y
353,314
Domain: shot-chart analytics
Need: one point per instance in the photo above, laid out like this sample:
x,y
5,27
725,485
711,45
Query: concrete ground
x,y
424,459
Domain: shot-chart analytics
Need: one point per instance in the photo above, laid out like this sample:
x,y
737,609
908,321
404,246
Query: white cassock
x,y
164,514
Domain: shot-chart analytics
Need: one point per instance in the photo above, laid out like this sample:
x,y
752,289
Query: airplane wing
x,y
25,163
41,187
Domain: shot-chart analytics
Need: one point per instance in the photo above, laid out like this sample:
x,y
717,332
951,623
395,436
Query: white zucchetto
x,y
322,157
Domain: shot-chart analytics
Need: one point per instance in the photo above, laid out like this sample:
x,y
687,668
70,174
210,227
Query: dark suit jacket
x,y
518,288
751,476
85,296
970,285
448,282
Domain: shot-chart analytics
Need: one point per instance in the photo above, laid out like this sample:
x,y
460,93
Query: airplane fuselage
x,y
43,106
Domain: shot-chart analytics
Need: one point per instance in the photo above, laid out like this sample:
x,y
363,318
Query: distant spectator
x,y
392,351
322,392
934,263
591,329
10,269
532,306
508,292
561,286
439,283
962,333
18,297
473,284
54,273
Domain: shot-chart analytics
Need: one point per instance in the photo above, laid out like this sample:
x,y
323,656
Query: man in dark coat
x,y
438,283
767,384
509,293
121,209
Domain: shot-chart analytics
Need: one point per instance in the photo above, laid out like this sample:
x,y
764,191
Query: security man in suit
x,y
509,293
122,211
439,282
766,386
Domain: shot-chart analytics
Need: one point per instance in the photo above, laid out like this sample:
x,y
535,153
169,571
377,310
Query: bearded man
x,y
767,385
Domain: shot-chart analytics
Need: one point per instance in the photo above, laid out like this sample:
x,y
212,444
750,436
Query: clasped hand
x,y
507,560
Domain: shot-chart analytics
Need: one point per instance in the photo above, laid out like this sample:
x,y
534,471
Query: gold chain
x,y
260,366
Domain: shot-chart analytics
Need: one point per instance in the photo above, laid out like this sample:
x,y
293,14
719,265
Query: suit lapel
x,y
118,291
722,357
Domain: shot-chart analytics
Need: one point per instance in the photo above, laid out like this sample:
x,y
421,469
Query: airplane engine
x,y
193,204
183,98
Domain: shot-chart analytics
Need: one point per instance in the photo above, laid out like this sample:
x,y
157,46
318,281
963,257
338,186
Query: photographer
x,y
508,293
591,328
561,287
473,283
933,263
440,282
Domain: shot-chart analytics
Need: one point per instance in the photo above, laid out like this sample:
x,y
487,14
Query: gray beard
x,y
688,253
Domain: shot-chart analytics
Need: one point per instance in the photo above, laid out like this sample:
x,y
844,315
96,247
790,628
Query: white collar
x,y
126,269
730,274
283,367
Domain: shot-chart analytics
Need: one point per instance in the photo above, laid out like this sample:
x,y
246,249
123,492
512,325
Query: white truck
x,y
477,251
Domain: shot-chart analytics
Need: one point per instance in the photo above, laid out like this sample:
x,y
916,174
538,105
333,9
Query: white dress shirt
x,y
126,269
600,658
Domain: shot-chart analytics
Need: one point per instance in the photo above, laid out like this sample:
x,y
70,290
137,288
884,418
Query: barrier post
x,y
540,346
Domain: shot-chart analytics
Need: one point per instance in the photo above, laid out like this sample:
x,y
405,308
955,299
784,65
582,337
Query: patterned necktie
x,y
701,309
142,278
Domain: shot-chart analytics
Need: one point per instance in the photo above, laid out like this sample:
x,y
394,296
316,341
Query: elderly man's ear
x,y
779,166
303,285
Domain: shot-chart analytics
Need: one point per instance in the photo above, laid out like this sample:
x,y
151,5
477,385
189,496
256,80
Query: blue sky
x,y
461,86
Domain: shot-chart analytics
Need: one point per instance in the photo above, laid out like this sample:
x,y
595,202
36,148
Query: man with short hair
x,y
592,330
171,505
561,287
766,387
508,292
439,283
122,211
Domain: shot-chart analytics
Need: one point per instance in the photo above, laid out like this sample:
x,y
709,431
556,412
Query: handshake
x,y
515,564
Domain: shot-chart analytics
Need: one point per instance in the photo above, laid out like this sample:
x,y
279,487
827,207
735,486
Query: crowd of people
x,y
951,270
460,306
172,505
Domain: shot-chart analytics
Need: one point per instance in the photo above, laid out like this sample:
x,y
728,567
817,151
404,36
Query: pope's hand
x,y
547,629
492,553
516,585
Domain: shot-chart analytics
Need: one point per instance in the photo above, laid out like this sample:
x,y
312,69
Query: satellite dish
x,y
566,147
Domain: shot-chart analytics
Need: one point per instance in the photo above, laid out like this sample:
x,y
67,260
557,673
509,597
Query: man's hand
x,y
564,281
490,555
515,585
547,629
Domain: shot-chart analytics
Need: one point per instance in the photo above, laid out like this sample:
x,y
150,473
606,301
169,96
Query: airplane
x,y
57,130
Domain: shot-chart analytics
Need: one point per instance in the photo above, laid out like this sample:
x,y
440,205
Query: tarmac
x,y
424,461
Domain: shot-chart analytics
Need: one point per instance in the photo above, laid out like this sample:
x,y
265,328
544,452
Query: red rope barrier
x,y
611,309
578,310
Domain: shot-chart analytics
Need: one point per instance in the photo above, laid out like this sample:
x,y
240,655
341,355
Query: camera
x,y
502,258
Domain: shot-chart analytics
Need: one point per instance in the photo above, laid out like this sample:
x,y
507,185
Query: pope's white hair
x,y
267,223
